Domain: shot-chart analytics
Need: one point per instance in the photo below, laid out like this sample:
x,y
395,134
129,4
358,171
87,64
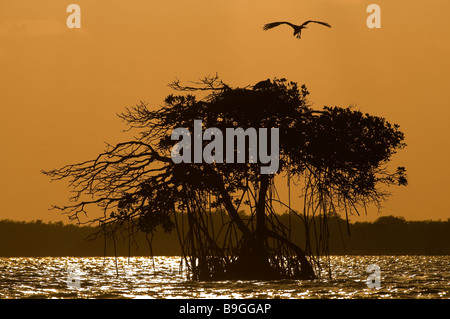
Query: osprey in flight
x,y
297,28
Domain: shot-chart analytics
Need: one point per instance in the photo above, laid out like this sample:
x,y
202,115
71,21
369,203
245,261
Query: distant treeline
x,y
386,236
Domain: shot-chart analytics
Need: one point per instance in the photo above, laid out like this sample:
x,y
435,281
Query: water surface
x,y
143,277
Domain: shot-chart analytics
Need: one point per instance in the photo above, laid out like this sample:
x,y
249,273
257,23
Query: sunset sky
x,y
60,88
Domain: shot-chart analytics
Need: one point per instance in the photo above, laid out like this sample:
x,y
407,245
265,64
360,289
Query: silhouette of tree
x,y
336,156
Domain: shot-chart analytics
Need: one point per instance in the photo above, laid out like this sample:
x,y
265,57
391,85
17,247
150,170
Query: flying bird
x,y
297,28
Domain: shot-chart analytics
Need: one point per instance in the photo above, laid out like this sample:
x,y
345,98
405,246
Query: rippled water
x,y
401,277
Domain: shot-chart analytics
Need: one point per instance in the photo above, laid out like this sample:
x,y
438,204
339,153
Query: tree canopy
x,y
337,156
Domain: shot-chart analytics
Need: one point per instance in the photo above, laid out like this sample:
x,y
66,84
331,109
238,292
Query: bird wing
x,y
276,24
319,22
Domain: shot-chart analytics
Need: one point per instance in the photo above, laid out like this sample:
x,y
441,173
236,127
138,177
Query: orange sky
x,y
60,88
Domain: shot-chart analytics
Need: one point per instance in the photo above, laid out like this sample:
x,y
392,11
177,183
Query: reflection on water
x,y
140,277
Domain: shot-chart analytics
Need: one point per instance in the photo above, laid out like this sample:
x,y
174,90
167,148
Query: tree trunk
x,y
253,260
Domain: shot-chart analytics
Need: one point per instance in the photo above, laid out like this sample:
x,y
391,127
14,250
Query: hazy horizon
x,y
352,219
